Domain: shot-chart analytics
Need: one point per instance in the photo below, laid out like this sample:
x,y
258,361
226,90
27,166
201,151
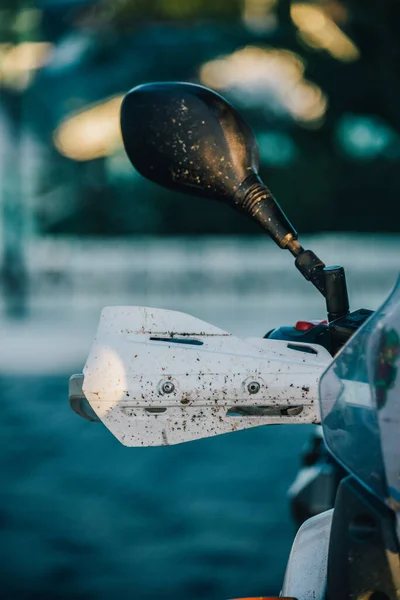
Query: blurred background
x,y
80,515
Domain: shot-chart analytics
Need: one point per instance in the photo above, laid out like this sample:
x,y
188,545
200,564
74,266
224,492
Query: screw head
x,y
167,387
253,387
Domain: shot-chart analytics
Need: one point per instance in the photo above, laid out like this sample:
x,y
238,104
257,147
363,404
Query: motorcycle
x,y
160,377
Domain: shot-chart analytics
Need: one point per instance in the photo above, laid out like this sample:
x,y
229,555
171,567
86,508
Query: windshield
x,y
360,402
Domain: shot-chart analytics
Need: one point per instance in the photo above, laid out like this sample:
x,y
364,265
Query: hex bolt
x,y
167,387
253,387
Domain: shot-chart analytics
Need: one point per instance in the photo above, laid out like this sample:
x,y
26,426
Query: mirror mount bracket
x,y
330,281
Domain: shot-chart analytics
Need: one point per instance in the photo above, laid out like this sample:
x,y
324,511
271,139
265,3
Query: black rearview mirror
x,y
188,138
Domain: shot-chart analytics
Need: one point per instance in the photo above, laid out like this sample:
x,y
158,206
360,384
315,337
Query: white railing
x,y
82,272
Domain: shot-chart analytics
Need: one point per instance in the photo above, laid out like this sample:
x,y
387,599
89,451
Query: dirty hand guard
x,y
157,377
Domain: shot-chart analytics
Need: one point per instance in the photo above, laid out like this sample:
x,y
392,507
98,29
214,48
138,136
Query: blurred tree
x,y
348,52
126,12
17,21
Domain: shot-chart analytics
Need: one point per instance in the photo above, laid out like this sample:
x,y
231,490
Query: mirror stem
x,y
254,198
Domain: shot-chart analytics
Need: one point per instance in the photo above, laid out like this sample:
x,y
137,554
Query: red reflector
x,y
307,325
304,325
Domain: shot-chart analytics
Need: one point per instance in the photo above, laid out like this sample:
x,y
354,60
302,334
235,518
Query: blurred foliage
x,y
124,11
337,172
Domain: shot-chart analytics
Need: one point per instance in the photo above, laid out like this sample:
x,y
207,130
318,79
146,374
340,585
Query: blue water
x,y
84,517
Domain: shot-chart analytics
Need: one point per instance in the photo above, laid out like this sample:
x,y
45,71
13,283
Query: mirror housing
x,y
188,138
